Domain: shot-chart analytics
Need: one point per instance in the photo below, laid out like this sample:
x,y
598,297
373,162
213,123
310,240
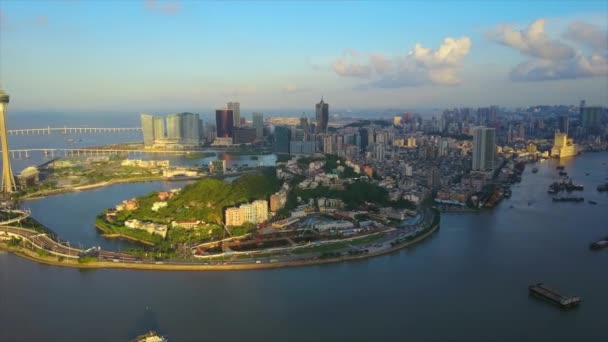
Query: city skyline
x,y
517,54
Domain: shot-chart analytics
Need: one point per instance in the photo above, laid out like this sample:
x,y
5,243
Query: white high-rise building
x,y
261,210
236,112
256,212
484,148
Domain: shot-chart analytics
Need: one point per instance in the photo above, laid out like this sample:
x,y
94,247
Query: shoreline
x,y
161,266
54,192
121,236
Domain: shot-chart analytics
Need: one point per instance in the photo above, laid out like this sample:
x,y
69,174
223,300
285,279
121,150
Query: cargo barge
x,y
568,199
599,244
541,291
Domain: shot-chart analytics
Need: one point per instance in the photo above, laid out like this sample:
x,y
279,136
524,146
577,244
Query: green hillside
x,y
206,199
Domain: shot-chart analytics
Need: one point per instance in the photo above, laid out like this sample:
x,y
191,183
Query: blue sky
x,y
163,56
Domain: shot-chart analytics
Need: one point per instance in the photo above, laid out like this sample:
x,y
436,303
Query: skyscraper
x,y
590,117
236,113
174,130
8,180
282,138
322,111
257,120
189,128
147,129
159,128
563,123
224,123
484,148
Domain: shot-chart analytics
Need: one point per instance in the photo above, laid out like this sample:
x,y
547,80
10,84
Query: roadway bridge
x,y
74,152
23,214
70,130
41,241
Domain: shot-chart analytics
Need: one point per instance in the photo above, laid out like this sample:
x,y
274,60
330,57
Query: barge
x,y
541,291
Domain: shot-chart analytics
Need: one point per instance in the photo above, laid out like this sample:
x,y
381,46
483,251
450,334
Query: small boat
x,y
586,173
535,170
592,202
151,336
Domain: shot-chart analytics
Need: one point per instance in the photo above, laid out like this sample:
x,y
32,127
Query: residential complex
x,y
255,212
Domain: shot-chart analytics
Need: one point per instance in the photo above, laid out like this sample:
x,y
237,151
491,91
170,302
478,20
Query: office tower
x,y
563,123
257,119
8,180
563,146
174,127
282,139
591,117
224,123
484,148
322,110
147,129
243,135
364,139
201,130
581,107
189,128
235,107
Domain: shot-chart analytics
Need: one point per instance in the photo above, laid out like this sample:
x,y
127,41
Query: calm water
x,y
468,282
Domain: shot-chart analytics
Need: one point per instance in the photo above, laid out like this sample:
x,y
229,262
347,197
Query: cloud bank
x,y
421,66
554,59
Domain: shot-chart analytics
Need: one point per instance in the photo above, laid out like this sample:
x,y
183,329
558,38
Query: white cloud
x,y
533,41
553,59
349,66
589,35
543,70
420,66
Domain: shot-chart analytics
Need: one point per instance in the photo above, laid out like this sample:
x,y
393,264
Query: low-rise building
x,y
150,227
157,205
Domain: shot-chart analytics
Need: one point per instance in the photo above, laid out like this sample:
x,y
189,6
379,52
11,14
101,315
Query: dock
x,y
543,292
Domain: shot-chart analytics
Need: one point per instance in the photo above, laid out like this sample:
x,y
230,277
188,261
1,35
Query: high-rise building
x,y
174,127
189,128
159,128
257,119
8,180
147,129
243,135
363,139
305,124
563,123
591,117
484,148
256,212
329,146
224,123
235,107
562,146
282,138
322,111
